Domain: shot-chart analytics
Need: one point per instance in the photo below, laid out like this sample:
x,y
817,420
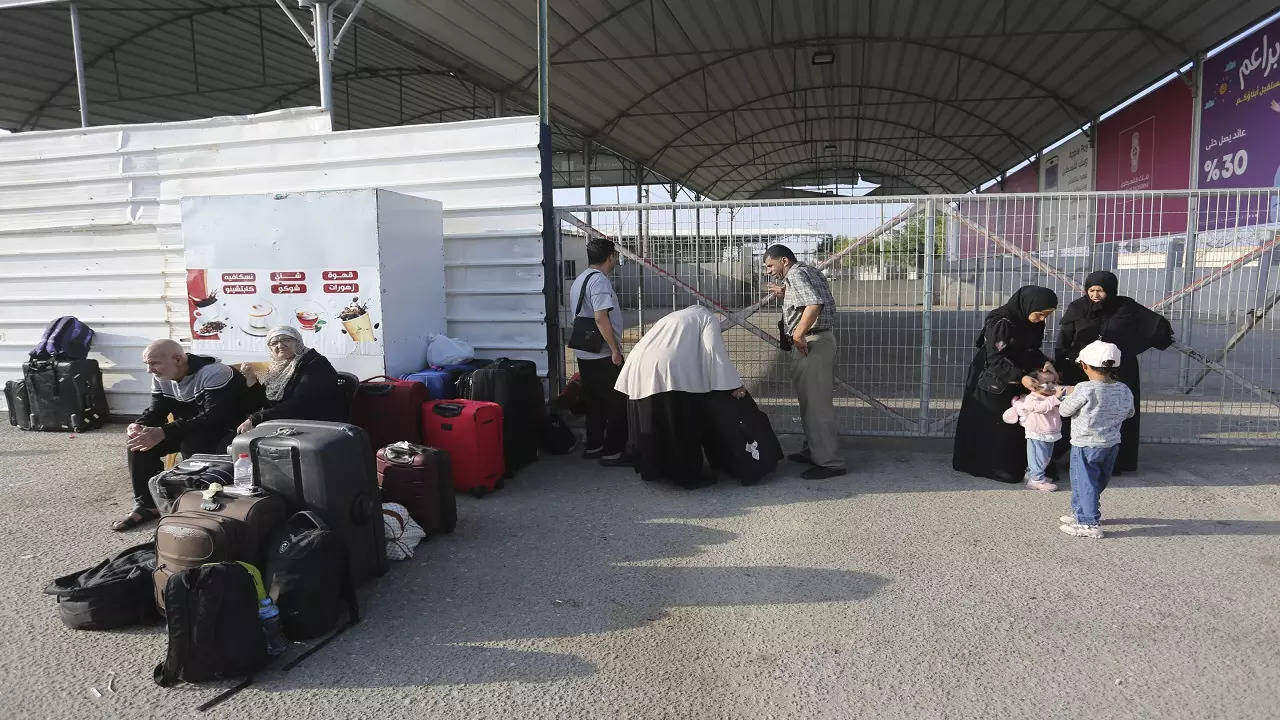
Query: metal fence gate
x,y
913,278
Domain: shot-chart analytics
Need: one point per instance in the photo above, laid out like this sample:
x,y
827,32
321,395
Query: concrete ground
x,y
902,590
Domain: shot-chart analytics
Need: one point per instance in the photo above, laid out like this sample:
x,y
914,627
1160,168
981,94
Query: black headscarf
x,y
1026,300
1108,282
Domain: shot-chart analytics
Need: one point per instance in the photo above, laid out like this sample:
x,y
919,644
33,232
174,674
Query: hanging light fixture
x,y
822,57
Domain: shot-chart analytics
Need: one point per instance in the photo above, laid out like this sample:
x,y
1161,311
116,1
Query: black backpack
x,y
309,578
214,631
114,593
193,473
557,436
64,339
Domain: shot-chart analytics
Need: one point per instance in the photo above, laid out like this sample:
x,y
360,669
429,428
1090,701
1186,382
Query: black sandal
x,y
135,518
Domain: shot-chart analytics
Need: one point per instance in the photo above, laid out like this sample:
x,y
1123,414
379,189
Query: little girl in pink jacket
x,y
1038,414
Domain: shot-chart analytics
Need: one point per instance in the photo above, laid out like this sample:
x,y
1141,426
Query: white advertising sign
x,y
1066,221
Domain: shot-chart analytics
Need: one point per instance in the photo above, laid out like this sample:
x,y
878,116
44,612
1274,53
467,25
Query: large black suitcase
x,y
19,404
738,438
327,468
64,395
514,385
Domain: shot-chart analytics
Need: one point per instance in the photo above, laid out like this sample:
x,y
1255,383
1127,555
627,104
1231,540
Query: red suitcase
x,y
421,479
471,432
389,410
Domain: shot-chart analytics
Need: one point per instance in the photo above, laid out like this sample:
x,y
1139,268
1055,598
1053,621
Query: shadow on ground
x,y
1167,527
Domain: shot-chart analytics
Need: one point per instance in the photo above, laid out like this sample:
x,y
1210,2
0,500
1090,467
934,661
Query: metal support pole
x,y
698,259
642,243
697,219
926,319
675,233
81,91
499,104
544,66
1193,217
1090,229
586,174
323,36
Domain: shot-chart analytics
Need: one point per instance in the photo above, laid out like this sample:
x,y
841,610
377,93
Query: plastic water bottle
x,y
270,617
243,472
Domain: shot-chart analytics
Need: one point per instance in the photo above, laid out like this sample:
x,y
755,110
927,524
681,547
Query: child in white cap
x,y
1098,406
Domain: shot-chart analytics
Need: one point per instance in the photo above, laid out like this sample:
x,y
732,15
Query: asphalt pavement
x,y
902,590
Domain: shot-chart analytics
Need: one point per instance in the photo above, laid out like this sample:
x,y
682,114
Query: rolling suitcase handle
x,y
449,410
374,386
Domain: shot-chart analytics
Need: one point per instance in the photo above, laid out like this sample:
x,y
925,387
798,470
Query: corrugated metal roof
x,y
724,96
149,60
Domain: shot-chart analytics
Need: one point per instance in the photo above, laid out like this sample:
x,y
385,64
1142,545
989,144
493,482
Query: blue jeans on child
x,y
1039,452
1090,472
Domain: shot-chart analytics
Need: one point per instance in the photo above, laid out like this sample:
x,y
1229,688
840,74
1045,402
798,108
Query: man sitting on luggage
x,y
203,396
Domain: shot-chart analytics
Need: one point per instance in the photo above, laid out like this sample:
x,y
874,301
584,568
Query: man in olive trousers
x,y
808,314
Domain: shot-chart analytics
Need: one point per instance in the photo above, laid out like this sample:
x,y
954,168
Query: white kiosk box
x,y
359,272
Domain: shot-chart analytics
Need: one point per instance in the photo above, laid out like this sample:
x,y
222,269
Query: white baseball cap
x,y
1100,354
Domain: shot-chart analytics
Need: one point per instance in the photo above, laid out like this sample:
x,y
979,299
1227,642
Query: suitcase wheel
x,y
479,491
76,425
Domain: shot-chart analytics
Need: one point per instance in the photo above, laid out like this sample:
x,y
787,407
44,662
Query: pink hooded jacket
x,y
1038,415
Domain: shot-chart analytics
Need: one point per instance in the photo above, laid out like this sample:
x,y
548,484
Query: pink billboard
x,y
1145,146
1238,128
1014,220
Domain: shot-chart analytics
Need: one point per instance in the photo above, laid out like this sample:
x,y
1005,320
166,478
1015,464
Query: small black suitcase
x,y
738,438
65,395
15,398
514,385
326,468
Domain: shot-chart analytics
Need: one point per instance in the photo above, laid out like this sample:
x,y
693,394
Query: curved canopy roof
x,y
733,98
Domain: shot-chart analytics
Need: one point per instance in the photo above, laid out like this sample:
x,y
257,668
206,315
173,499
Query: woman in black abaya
x,y
1008,352
1102,313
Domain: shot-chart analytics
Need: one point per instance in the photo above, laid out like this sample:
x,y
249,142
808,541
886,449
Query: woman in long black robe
x,y
1008,351
1116,319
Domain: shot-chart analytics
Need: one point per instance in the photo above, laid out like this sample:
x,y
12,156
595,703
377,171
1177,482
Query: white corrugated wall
x,y
89,223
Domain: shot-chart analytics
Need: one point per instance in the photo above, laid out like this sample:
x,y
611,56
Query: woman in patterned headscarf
x,y
1008,355
1102,313
300,383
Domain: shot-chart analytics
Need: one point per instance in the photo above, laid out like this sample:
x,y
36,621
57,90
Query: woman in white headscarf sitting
x,y
685,396
299,383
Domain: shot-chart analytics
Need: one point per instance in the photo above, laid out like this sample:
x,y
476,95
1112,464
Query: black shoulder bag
x,y
586,335
988,381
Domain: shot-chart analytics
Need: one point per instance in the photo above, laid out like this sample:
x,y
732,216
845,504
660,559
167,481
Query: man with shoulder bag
x,y
597,344
807,330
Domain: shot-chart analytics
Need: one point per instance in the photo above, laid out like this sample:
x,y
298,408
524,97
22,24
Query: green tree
x,y
903,246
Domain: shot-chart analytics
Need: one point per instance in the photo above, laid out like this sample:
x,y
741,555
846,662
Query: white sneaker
x,y
1070,520
1041,485
1085,531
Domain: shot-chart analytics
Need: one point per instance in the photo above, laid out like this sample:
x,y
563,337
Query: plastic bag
x,y
444,350
402,533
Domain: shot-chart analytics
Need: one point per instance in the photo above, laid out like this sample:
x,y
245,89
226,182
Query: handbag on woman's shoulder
x,y
586,335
